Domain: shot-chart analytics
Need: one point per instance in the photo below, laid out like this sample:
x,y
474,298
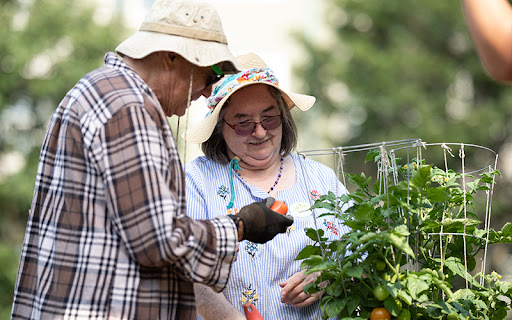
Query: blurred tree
x,y
404,69
398,70
46,47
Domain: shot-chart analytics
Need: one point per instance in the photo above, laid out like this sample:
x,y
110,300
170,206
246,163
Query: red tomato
x,y
380,314
279,207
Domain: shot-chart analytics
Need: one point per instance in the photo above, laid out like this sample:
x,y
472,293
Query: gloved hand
x,y
262,224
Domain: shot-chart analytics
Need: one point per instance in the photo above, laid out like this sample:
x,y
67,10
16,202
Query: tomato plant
x,y
395,256
380,314
279,207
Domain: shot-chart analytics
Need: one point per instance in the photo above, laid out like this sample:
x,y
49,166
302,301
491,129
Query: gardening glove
x,y
262,224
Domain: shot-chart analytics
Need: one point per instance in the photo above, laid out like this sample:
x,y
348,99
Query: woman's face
x,y
254,103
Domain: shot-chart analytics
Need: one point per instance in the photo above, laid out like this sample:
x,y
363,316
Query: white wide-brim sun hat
x,y
190,28
255,71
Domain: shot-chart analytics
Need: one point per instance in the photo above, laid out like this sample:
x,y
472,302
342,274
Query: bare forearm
x,y
211,305
490,25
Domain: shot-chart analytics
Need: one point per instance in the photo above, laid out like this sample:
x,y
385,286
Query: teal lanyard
x,y
233,165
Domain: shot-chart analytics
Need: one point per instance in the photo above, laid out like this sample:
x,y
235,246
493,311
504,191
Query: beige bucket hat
x,y
190,28
255,71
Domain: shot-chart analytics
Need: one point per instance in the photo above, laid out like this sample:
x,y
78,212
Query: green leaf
x,y
353,303
355,272
335,306
405,297
308,251
311,288
506,230
324,265
390,305
313,235
422,177
457,267
400,242
372,155
416,286
437,195
335,289
402,230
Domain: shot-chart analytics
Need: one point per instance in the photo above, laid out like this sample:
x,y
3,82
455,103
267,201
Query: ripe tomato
x,y
380,314
380,293
279,207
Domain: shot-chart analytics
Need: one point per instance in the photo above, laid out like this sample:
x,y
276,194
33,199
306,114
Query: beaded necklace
x,y
277,180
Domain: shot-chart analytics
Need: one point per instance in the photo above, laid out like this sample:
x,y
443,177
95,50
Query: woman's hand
x,y
293,290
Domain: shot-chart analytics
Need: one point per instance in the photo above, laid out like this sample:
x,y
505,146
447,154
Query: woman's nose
x,y
259,131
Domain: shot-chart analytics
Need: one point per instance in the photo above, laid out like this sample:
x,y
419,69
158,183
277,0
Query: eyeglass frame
x,y
233,126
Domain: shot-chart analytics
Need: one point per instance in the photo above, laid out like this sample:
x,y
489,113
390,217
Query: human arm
x,y
211,305
145,197
490,25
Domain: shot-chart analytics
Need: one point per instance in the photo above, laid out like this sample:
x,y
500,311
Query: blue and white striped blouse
x,y
261,267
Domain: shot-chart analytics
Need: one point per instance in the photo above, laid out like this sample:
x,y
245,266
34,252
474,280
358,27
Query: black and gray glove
x,y
260,223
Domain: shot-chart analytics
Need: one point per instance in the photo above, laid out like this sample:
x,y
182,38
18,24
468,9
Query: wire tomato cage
x,y
453,162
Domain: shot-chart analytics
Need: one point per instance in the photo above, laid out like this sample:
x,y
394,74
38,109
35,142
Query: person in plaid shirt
x,y
107,235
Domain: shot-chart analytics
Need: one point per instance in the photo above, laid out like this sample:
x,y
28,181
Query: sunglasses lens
x,y
244,129
271,123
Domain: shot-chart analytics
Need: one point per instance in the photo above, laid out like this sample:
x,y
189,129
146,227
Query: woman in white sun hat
x,y
247,139
108,236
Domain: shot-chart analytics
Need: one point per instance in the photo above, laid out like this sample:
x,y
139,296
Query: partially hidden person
x,y
490,25
247,139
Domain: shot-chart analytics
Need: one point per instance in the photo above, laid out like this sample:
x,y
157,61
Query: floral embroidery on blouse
x,y
330,226
290,229
315,195
249,295
251,248
233,211
223,191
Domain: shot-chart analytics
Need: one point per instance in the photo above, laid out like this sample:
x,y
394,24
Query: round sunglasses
x,y
246,128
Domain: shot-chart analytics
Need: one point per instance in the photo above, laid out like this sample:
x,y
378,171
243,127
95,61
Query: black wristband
x,y
236,220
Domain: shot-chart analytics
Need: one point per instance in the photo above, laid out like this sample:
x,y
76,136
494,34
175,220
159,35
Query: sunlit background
x,y
381,70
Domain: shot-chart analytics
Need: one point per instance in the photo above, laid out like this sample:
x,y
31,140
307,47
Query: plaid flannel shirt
x,y
107,235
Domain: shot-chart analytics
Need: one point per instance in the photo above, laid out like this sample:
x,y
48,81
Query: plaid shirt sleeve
x,y
139,166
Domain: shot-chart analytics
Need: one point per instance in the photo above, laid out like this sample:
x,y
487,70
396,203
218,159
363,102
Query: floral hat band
x,y
231,82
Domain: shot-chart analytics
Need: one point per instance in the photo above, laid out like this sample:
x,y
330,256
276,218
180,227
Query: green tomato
x,y
380,293
452,316
379,265
404,315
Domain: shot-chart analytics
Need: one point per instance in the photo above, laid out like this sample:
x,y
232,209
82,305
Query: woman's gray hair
x,y
215,147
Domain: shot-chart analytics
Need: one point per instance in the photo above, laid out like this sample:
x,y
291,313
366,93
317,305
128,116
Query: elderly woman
x,y
247,139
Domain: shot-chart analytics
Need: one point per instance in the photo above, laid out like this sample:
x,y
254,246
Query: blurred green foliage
x,y
393,70
46,47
